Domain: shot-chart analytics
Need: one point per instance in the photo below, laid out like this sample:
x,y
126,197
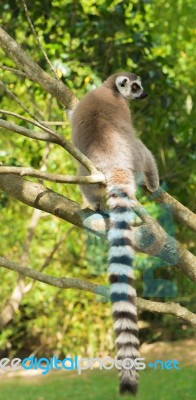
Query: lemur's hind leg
x,y
152,181
151,173
94,195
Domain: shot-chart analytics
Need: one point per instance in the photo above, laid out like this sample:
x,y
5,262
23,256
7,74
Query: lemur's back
x,y
98,121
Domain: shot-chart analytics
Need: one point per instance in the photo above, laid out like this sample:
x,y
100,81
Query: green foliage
x,y
86,41
162,385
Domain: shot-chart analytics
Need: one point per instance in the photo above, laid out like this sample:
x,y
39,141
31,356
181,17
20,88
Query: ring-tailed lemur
x,y
103,131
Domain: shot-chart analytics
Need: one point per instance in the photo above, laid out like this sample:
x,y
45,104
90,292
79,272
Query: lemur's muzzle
x,y
143,95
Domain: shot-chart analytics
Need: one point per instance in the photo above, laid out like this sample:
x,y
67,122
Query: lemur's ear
x,y
123,83
123,86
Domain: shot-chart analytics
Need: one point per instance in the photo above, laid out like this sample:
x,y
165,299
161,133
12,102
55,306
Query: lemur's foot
x,y
152,188
98,207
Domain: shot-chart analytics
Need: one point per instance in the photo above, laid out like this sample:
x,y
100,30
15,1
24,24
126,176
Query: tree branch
x,y
51,85
10,126
180,212
148,238
31,121
18,101
21,171
15,71
94,178
37,38
167,308
74,283
77,154
20,290
34,72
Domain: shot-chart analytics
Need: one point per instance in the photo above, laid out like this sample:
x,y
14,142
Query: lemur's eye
x,y
135,87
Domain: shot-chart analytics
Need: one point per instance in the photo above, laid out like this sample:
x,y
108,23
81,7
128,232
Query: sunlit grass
x,y
96,385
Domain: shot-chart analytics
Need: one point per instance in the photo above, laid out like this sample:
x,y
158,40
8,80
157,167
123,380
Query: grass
x,y
101,385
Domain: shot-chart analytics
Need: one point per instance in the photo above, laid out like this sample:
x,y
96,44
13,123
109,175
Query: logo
x,y
82,364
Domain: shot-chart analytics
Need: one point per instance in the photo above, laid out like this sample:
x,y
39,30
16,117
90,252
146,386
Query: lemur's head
x,y
127,84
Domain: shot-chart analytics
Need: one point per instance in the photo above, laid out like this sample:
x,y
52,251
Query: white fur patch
x,y
120,251
125,337
122,288
125,323
127,216
126,306
120,269
114,202
118,234
128,352
127,375
124,90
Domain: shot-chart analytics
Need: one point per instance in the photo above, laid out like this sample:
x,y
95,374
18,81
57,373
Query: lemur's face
x,y
130,87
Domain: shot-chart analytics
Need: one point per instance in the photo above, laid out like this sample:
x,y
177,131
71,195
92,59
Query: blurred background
x,y
86,41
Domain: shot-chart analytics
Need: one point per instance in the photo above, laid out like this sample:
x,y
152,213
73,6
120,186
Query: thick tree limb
x,y
180,212
22,171
34,72
148,238
74,283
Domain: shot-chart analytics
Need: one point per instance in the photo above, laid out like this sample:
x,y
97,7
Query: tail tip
x,y
128,387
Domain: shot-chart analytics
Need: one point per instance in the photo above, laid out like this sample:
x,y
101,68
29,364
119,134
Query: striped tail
x,y
122,291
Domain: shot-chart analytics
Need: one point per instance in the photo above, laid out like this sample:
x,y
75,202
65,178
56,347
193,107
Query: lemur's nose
x,y
143,95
